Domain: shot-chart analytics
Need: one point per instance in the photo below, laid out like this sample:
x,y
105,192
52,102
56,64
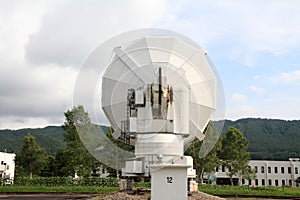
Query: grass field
x,y
57,189
210,189
248,191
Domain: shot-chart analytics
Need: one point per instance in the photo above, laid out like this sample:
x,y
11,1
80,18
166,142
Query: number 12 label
x,y
169,179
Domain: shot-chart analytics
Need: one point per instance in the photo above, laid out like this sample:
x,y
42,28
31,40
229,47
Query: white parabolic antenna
x,y
180,64
159,92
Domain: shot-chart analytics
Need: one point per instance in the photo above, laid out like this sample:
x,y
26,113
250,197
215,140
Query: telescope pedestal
x,y
169,182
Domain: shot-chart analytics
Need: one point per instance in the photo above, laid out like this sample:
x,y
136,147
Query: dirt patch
x,y
147,196
203,196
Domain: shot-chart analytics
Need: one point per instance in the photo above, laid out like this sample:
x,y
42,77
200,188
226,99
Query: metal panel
x,y
133,124
139,97
134,166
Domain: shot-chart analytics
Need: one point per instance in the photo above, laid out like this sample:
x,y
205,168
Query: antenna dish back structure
x,y
170,64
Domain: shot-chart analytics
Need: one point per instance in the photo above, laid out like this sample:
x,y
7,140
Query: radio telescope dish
x,y
182,64
146,63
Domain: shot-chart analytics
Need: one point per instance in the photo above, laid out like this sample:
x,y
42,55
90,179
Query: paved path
x,y
44,196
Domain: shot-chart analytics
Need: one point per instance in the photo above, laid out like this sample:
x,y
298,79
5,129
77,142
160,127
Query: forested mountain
x,y
50,138
268,138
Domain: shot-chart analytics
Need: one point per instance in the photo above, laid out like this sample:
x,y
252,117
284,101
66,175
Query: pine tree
x,y
31,157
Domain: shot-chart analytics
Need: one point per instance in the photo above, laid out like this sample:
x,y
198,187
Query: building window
x,y
296,170
289,170
249,183
217,169
276,170
256,182
2,162
243,181
263,182
7,167
255,168
270,182
290,182
223,168
276,182
282,170
262,169
283,182
269,170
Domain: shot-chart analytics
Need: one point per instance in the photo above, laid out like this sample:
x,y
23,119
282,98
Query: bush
x,y
66,181
6,181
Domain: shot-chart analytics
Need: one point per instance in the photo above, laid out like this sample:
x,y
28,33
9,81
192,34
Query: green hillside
x,y
268,138
50,138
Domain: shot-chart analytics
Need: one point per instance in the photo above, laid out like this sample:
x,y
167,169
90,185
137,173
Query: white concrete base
x,y
169,182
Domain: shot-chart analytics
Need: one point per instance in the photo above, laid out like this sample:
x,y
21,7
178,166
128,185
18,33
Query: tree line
x,y
73,158
230,150
269,139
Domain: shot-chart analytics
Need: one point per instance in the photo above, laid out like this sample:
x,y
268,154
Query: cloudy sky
x,y
255,46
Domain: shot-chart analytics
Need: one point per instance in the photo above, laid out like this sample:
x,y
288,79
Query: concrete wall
x,y
275,173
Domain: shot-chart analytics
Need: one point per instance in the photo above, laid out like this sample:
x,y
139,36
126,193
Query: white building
x,y
7,165
268,173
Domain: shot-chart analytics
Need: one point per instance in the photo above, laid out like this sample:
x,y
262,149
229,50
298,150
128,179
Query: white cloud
x,y
257,77
286,77
272,111
250,27
17,122
273,108
28,92
242,111
42,41
237,97
257,90
17,20
73,29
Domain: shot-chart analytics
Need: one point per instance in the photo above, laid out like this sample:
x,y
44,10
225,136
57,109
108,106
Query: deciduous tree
x,y
234,153
210,161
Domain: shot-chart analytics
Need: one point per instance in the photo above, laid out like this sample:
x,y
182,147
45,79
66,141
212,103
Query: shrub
x,y
66,181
